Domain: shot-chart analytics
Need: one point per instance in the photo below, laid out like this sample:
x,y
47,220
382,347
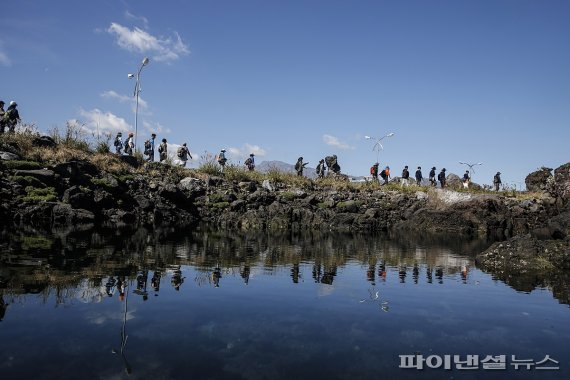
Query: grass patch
x,y
22,165
28,181
35,195
220,205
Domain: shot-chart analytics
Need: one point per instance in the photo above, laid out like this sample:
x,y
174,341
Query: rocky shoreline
x,y
79,192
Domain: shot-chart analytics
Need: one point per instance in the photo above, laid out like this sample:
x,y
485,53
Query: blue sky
x,y
455,81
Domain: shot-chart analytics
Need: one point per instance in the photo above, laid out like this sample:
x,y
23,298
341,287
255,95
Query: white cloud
x,y
4,59
104,122
130,16
334,141
139,41
245,151
112,95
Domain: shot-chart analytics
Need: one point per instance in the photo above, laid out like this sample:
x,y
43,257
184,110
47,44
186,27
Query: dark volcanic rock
x,y
130,160
64,214
536,181
7,156
44,141
45,176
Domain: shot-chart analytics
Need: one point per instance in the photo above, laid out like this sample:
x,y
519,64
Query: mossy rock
x,y
28,181
35,195
104,184
220,205
22,165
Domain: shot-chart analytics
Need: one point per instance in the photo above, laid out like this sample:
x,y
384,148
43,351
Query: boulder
x,y
44,141
76,168
7,156
192,185
45,176
130,160
537,180
64,214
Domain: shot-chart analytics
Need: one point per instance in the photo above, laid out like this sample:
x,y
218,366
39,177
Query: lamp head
x,y
367,137
390,134
145,61
131,76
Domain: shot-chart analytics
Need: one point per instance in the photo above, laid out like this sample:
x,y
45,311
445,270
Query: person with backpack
x,y
374,172
432,177
183,154
320,170
11,117
222,159
466,179
149,148
250,162
118,143
385,174
405,176
299,166
419,176
2,113
163,150
441,178
497,181
130,144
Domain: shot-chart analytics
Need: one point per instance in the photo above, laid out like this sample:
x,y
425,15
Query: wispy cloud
x,y
105,122
335,142
137,40
246,150
4,59
112,95
154,127
132,17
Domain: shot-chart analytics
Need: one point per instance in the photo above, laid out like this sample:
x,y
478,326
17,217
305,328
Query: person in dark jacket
x,y
497,181
2,113
299,166
441,178
419,176
466,179
405,176
385,174
432,177
321,169
12,117
374,172
163,150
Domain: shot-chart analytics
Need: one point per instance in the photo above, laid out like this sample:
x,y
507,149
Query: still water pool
x,y
205,304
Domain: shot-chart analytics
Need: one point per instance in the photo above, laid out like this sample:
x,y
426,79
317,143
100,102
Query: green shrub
x,y
207,164
221,204
35,195
22,165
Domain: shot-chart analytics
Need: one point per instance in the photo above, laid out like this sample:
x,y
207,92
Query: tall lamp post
x,y
378,146
136,95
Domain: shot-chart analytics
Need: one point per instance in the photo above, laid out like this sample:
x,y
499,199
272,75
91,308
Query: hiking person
x,y
374,172
441,178
432,177
222,159
11,117
2,113
497,181
385,174
149,148
320,170
118,143
419,176
163,150
405,176
183,153
466,179
299,166
250,162
130,144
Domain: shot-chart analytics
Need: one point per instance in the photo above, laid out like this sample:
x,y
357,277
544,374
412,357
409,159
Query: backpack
x,y
117,142
127,143
160,148
180,152
383,174
372,170
297,165
147,146
248,162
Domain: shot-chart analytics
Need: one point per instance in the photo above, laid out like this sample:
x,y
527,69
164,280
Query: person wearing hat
x,y
163,150
299,166
497,181
11,117
118,143
432,177
222,159
130,144
441,178
385,174
405,176
320,170
466,179
2,113
250,162
183,154
419,176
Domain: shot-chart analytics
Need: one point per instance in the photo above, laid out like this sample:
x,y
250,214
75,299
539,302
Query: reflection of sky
x,y
275,328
